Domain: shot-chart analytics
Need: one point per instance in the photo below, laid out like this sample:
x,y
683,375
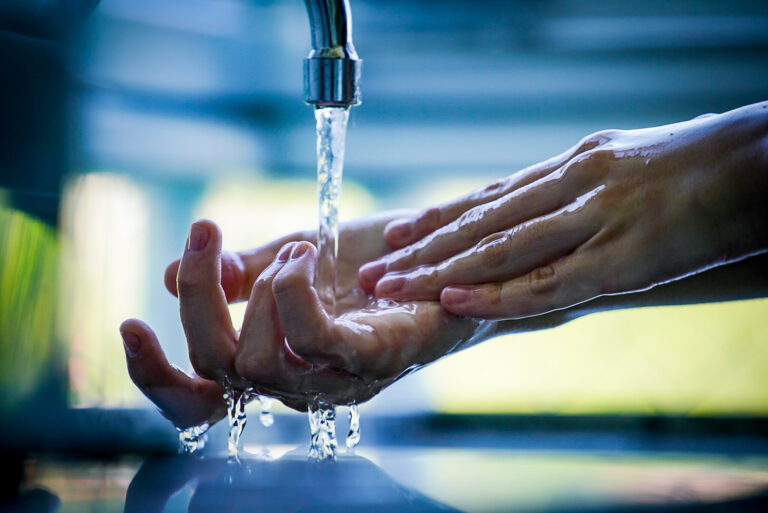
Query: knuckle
x,y
603,136
588,165
188,285
494,294
469,217
493,249
596,139
497,186
468,225
542,281
288,283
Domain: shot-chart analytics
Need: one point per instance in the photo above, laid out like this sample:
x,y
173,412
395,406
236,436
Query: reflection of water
x,y
402,479
292,483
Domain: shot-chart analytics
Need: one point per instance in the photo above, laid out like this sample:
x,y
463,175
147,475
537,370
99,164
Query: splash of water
x,y
322,428
236,418
353,437
193,439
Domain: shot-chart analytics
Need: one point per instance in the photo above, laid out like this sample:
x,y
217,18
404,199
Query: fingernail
x,y
400,230
390,285
372,271
198,237
298,250
285,253
455,296
131,342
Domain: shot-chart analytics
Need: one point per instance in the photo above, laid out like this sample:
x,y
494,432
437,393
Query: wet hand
x,y
622,211
289,347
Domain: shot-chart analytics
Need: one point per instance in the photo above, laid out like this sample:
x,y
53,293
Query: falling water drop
x,y
236,402
265,416
353,437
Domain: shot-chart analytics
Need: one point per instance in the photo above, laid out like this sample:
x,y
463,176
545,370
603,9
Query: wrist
x,y
729,183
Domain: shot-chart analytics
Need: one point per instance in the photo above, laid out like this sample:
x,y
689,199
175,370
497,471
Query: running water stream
x,y
331,136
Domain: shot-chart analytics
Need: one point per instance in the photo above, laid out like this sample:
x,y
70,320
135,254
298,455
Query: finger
x,y
261,355
185,400
575,279
500,256
203,307
239,270
307,326
233,276
403,232
541,197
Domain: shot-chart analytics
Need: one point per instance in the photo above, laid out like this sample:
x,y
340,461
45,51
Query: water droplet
x,y
193,439
353,437
265,416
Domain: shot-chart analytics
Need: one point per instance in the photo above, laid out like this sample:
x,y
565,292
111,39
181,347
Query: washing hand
x,y
622,211
288,347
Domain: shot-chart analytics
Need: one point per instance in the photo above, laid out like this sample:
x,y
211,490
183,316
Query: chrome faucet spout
x,y
332,69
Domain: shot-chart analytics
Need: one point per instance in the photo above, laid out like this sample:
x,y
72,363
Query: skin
x,y
621,212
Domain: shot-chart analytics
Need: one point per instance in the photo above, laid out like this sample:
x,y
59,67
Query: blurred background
x,y
122,121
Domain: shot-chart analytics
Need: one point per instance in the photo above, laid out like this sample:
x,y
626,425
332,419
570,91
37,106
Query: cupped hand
x,y
622,211
289,347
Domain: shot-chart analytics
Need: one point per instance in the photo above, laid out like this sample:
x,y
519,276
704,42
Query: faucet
x,y
332,69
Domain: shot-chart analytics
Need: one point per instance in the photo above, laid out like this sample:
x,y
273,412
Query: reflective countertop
x,y
280,478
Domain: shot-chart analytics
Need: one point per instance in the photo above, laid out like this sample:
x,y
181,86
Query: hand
x,y
289,347
622,211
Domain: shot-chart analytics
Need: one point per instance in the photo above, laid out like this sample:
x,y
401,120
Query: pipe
x,y
332,69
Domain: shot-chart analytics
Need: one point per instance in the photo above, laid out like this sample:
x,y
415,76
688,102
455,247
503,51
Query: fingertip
x,y
136,335
455,296
301,250
297,268
203,234
369,274
170,276
398,233
136,326
284,254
